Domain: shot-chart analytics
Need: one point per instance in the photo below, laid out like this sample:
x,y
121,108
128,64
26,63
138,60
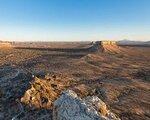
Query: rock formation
x,y
70,107
5,45
44,91
105,46
13,83
40,95
96,46
108,42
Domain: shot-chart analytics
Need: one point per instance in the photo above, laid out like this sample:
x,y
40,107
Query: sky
x,y
74,20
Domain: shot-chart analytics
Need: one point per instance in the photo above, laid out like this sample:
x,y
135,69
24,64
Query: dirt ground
x,y
120,75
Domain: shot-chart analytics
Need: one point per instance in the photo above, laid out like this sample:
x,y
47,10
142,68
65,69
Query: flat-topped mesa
x,y
108,42
95,46
5,45
110,46
103,45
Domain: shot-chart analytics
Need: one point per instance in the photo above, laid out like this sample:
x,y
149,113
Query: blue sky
x,y
74,20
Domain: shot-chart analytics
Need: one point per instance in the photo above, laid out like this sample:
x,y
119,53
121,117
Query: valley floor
x,y
120,76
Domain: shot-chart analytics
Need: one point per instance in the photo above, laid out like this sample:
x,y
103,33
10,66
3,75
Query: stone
x,y
95,47
2,116
42,92
97,104
71,107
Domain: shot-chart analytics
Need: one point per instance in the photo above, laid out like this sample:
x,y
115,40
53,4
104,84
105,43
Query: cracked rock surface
x,y
70,107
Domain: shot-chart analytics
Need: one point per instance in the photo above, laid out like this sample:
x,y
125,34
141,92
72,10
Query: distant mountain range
x,y
131,42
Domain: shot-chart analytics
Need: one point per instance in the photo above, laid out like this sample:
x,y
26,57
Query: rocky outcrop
x,y
44,91
29,97
70,107
96,46
102,46
108,42
40,95
8,73
5,45
13,82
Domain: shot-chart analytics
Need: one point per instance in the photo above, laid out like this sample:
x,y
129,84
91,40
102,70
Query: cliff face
x,y
108,42
96,46
110,46
104,46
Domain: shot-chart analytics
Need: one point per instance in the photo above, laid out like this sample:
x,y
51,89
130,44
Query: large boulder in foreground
x,y
70,107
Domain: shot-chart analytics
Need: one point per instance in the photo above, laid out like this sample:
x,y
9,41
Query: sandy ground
x,y
120,76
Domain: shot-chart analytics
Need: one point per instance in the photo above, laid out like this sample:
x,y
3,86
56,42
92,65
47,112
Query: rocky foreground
x,y
33,80
71,107
47,92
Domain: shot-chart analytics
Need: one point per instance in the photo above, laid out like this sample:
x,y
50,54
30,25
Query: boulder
x,y
70,107
44,91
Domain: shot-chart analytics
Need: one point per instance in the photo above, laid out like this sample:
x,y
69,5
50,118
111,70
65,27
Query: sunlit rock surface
x,y
70,107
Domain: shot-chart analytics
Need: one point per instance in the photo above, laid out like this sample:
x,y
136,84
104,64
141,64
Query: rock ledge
x,y
70,107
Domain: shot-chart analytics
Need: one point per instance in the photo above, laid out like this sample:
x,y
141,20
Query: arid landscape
x,y
34,75
74,59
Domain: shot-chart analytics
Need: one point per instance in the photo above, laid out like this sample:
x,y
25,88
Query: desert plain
x,y
118,74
